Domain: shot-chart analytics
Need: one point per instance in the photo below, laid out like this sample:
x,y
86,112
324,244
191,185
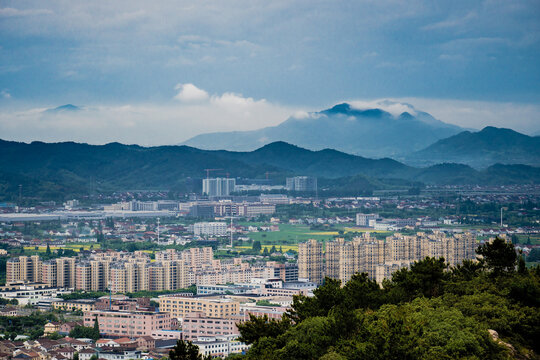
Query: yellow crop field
x,y
283,247
323,233
74,247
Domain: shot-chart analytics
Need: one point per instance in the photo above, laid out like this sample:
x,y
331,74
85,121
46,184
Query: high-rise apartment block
x,y
302,183
218,186
379,258
310,261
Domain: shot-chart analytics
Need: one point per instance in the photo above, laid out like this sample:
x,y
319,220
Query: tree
x,y
273,249
325,297
256,246
499,256
186,350
55,336
48,251
522,266
96,334
281,249
76,356
424,278
258,327
83,332
265,252
362,292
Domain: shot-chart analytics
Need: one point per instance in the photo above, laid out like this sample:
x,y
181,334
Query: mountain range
x,y
481,149
62,170
413,137
372,133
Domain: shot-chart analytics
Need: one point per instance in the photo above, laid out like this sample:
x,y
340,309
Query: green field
x,y
288,235
294,234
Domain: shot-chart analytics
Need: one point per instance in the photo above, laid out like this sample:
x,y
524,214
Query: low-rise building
x,y
128,323
70,305
197,324
180,306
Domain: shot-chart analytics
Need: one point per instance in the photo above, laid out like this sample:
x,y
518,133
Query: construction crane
x,y
209,170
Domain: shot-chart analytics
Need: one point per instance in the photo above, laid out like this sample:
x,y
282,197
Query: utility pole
x,y
20,197
231,231
158,230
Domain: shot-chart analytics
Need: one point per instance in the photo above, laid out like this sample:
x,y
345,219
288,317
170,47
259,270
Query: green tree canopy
x,y
186,350
499,256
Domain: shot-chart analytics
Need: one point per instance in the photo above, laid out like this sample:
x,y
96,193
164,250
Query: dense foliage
x,y
186,350
85,332
31,325
429,311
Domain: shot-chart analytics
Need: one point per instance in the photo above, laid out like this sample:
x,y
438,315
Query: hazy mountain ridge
x,y
367,132
71,168
480,149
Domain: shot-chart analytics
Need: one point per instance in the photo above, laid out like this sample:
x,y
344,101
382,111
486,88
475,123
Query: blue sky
x,y
473,63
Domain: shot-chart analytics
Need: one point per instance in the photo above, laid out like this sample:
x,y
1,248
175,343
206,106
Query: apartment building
x,y
379,258
310,261
128,323
301,183
218,186
180,306
197,324
210,228
23,268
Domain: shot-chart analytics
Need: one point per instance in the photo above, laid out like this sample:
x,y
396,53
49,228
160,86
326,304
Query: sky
x,y
161,72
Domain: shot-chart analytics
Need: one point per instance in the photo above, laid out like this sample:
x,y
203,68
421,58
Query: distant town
x,y
128,279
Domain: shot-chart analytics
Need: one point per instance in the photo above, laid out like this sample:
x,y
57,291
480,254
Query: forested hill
x,y
62,170
480,149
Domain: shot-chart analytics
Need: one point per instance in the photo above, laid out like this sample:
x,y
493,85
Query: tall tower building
x,y
218,186
310,261
302,183
49,273
65,272
83,276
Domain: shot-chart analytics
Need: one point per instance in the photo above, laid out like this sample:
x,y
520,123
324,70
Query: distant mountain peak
x,y
371,129
64,108
347,109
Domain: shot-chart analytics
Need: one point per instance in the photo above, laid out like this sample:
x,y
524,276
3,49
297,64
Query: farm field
x,y
293,234
285,248
289,235
74,247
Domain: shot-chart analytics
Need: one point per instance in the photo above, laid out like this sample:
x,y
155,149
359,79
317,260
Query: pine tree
x,y
48,251
96,329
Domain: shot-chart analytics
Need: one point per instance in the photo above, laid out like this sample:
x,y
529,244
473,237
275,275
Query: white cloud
x,y
5,94
145,124
521,117
190,93
12,12
393,107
